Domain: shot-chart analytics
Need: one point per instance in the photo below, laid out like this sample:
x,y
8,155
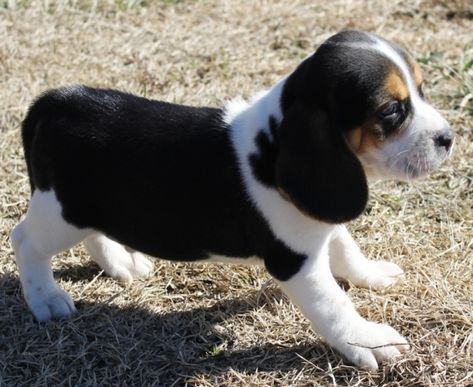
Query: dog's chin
x,y
404,172
422,169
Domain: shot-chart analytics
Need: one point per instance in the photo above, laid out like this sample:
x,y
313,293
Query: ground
x,y
208,325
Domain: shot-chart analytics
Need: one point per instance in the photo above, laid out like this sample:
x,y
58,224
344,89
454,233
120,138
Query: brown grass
x,y
212,325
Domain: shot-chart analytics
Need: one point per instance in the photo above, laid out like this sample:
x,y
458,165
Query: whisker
x,y
396,158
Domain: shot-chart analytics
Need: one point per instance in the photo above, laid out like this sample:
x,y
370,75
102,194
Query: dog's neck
x,y
247,119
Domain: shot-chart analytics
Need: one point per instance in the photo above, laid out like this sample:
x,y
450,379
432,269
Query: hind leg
x,y
116,260
42,234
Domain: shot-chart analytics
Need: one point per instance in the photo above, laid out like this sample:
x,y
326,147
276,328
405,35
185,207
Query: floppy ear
x,y
315,168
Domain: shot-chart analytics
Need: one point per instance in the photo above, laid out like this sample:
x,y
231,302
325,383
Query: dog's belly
x,y
178,254
253,260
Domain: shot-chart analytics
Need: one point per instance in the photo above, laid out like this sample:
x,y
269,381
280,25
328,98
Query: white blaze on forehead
x,y
386,50
401,64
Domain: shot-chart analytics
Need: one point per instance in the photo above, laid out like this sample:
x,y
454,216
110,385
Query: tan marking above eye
x,y
396,87
417,73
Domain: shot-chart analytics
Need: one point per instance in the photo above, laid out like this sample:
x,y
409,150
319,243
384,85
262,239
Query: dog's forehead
x,y
376,60
365,44
404,78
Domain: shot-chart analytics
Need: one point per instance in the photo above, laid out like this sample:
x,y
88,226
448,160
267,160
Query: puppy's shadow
x,y
132,345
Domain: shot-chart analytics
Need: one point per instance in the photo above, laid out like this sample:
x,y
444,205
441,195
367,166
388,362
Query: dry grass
x,y
229,325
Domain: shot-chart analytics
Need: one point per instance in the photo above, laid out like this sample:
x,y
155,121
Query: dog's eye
x,y
391,110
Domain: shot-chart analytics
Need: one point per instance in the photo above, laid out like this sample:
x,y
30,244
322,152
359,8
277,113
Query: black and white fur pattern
x,y
271,181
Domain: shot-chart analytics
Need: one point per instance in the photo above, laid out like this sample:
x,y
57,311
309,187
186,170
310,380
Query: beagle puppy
x,y
271,182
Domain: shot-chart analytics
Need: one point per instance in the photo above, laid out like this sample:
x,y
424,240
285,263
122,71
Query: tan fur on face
x,y
360,140
396,87
417,72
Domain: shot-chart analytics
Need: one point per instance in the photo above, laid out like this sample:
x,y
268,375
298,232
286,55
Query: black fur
x,y
263,163
315,168
160,178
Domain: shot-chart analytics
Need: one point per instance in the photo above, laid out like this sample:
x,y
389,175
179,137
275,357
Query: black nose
x,y
444,139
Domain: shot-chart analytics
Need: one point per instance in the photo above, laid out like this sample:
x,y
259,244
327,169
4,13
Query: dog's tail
x,y
28,131
48,114
29,128
40,113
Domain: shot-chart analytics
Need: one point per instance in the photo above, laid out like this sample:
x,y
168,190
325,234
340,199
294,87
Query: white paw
x,y
117,261
127,266
48,304
143,267
368,344
380,275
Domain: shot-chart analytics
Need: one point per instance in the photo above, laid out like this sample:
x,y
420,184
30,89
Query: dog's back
x,y
143,172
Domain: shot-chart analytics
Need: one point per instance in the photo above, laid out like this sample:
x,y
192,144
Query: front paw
x,y
368,344
47,304
380,275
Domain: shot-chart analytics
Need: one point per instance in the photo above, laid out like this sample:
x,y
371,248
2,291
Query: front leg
x,y
349,263
315,291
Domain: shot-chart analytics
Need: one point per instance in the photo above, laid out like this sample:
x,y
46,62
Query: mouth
x,y
419,167
407,168
418,172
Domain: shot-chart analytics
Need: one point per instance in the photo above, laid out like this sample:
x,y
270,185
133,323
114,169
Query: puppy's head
x,y
355,109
